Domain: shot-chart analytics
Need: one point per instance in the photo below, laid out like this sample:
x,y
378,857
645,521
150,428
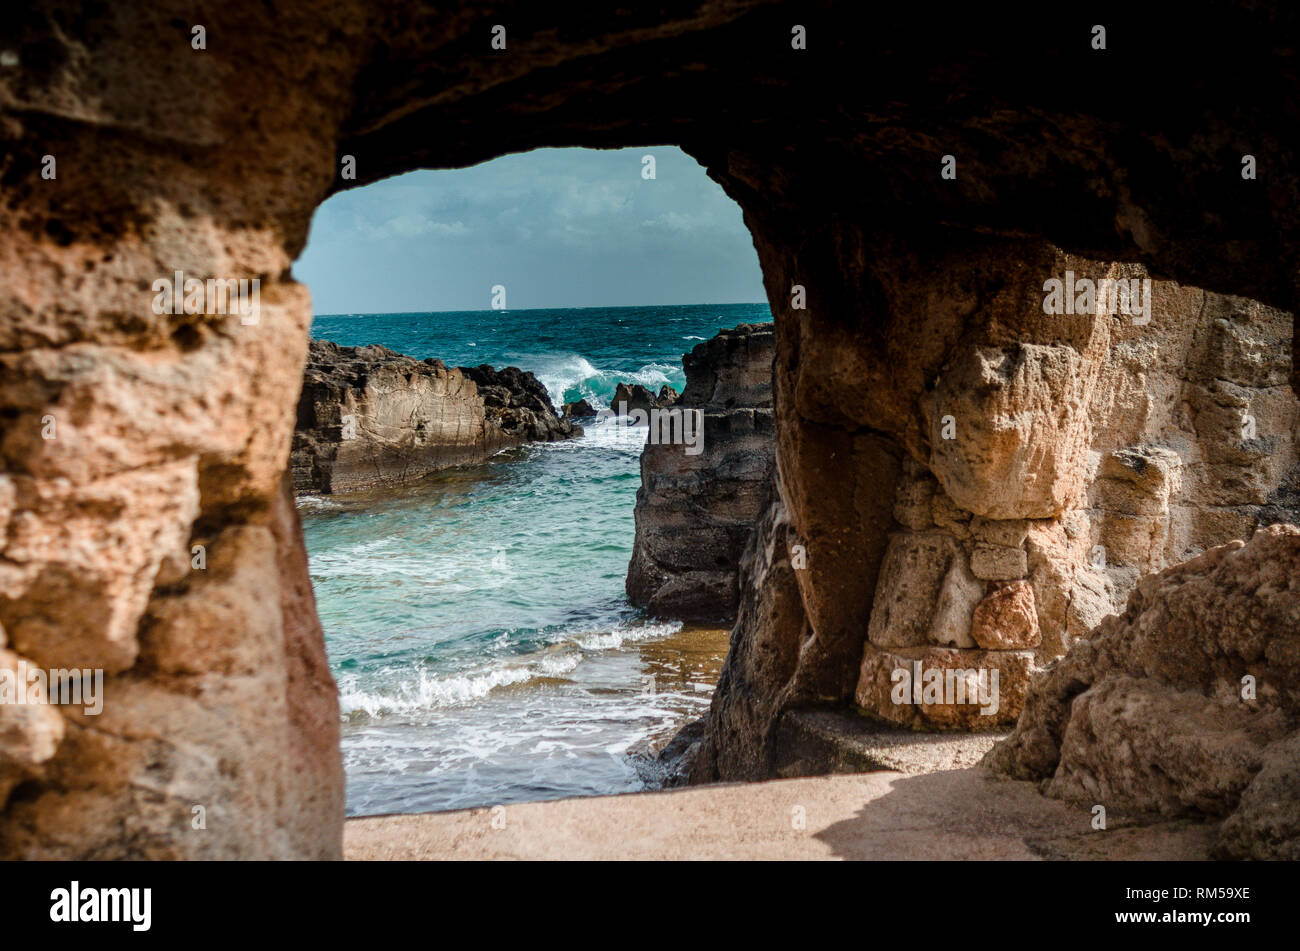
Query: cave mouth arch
x,y
485,658
215,162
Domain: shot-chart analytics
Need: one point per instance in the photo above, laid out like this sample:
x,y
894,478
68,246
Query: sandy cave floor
x,y
949,814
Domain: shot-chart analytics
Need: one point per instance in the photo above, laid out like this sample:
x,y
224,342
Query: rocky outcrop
x,y
1016,474
1060,472
171,428
695,511
1186,704
633,396
578,410
369,417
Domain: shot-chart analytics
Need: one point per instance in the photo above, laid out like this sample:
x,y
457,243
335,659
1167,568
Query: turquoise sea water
x,y
476,622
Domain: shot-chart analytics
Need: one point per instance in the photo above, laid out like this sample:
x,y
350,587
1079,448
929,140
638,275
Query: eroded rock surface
x,y
695,512
369,417
1015,475
174,429
1187,704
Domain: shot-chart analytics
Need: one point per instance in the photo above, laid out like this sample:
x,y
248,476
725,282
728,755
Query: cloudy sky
x,y
556,227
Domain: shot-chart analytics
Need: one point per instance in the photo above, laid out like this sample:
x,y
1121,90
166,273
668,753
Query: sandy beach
x,y
952,814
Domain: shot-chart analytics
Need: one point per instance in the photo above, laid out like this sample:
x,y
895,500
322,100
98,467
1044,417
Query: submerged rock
x,y
696,510
371,417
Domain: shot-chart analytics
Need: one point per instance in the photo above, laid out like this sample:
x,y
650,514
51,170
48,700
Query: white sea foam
x,y
561,373
612,640
417,689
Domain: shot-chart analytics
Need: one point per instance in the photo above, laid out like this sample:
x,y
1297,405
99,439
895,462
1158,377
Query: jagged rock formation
x,y
634,396
1186,704
174,430
694,513
371,417
578,410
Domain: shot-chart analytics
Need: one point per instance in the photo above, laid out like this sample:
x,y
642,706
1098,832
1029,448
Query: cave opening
x,y
920,288
472,594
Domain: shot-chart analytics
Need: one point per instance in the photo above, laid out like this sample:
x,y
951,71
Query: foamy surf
x,y
476,623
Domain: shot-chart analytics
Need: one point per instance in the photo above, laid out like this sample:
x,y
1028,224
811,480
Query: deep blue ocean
x,y
476,622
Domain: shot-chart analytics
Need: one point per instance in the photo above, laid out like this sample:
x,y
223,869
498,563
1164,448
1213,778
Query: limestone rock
x,y
1140,747
579,410
371,417
1152,714
992,394
960,592
908,287
998,563
1266,824
897,684
907,593
1007,618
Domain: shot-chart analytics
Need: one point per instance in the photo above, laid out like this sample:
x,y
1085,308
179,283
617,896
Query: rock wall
x,y
1015,476
1069,469
1185,705
173,429
694,513
370,417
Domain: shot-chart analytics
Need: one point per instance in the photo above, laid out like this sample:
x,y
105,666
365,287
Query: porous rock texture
x,y
1186,704
695,512
173,430
369,417
1068,457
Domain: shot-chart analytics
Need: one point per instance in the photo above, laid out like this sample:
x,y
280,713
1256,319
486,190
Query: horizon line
x,y
506,310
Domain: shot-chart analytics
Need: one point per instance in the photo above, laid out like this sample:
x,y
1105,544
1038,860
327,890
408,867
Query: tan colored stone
x,y
1007,618
1151,712
964,700
947,516
1005,533
914,501
958,595
997,563
907,595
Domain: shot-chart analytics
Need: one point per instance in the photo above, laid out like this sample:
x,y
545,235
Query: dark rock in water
x,y
517,403
674,762
667,395
732,369
695,512
628,397
371,417
578,410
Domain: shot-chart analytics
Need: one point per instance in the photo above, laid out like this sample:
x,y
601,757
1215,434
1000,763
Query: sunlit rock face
x,y
371,418
922,298
1042,465
1185,704
1067,457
